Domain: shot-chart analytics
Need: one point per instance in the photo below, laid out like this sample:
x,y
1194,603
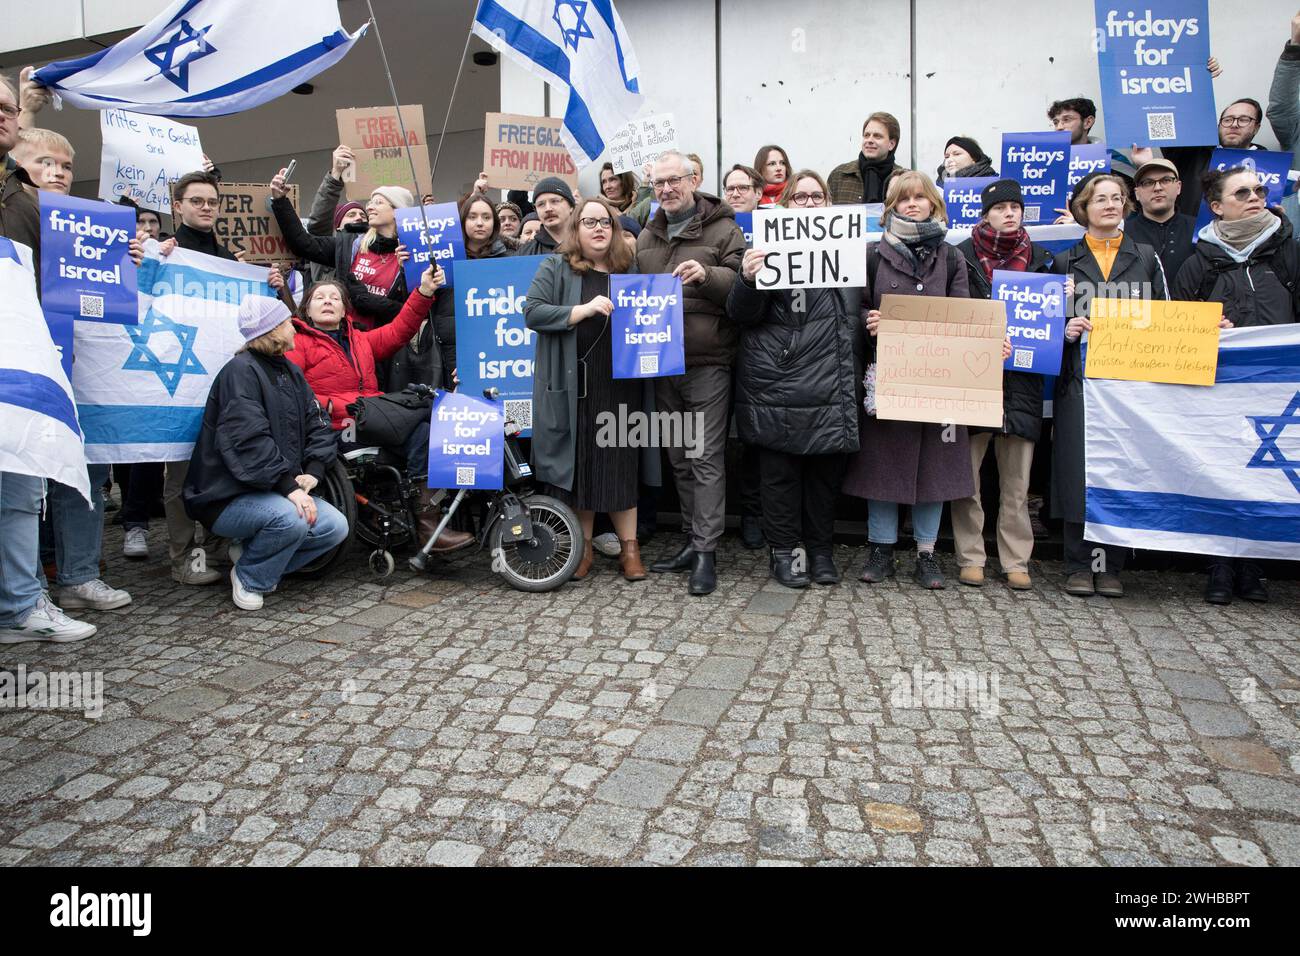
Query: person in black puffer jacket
x,y
263,447
797,400
1000,242
1247,259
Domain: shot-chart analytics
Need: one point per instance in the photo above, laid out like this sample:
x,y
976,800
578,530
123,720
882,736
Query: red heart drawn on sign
x,y
977,363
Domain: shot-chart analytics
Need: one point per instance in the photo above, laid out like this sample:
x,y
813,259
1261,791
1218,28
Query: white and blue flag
x,y
1202,470
577,44
207,58
141,388
39,433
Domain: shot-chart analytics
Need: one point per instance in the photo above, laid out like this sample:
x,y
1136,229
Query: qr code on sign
x,y
649,364
1023,358
1031,214
520,411
92,306
1160,126
465,475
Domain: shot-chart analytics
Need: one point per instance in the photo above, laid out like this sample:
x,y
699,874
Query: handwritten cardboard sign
x,y
244,223
642,141
939,360
143,156
378,143
811,248
520,151
1140,340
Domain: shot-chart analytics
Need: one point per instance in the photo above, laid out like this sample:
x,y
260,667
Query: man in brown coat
x,y
866,178
694,236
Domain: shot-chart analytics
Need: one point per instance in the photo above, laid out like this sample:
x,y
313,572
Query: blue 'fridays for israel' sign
x,y
1040,163
1035,304
86,267
443,243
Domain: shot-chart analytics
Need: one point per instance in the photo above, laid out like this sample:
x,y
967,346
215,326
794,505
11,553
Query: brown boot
x,y
584,566
629,559
427,518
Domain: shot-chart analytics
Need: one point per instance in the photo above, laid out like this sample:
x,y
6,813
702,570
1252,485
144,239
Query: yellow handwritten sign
x,y
1140,340
940,360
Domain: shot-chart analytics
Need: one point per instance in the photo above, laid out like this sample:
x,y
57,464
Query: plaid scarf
x,y
998,251
917,239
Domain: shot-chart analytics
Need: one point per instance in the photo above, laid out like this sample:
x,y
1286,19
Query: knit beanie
x,y
259,314
399,197
342,210
553,184
1004,190
968,144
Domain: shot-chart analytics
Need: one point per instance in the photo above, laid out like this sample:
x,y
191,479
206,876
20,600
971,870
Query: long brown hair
x,y
620,256
760,161
466,205
628,181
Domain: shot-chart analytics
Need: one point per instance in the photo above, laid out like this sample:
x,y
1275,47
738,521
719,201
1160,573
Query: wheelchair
x,y
536,541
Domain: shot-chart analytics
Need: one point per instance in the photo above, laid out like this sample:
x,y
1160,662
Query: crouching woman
x,y
263,446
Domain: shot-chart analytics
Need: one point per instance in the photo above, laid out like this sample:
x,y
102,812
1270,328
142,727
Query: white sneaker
x,y
95,595
243,598
607,544
136,544
47,623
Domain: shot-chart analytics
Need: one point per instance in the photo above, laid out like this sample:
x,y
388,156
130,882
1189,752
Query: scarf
x,y
875,174
1242,232
771,194
917,239
999,251
981,167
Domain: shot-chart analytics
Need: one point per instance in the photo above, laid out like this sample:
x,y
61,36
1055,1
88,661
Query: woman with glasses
x,y
574,389
1104,262
796,400
1247,259
773,165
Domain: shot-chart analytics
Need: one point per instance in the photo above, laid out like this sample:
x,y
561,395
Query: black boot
x,y
824,570
751,532
683,560
880,564
1218,583
782,564
1250,582
704,575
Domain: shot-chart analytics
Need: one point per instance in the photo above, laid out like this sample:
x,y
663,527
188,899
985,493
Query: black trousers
x,y
142,489
1080,556
799,494
751,486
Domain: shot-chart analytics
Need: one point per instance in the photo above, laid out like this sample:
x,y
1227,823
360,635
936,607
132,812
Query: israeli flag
x,y
578,44
207,58
39,433
1202,470
141,388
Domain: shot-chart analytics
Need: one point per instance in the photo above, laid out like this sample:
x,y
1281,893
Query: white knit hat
x,y
399,197
259,314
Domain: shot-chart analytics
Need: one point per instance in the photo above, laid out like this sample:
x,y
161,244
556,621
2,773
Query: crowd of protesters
x,y
793,373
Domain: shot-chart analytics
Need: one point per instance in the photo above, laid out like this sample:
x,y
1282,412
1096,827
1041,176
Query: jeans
x,y
277,540
20,510
78,528
882,523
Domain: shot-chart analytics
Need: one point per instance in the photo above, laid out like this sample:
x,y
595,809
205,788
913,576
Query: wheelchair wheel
x,y
553,554
336,488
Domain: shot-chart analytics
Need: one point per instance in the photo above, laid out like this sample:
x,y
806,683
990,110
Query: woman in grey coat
x,y
574,391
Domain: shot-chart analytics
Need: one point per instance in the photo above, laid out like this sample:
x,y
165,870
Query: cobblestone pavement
x,y
451,720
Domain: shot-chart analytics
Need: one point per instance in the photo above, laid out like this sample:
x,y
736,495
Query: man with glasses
x,y
1158,223
742,187
694,236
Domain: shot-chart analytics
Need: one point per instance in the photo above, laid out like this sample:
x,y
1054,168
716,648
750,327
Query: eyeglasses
x,y
1152,182
672,182
1231,121
1245,192
1107,201
591,222
803,199
10,111
203,203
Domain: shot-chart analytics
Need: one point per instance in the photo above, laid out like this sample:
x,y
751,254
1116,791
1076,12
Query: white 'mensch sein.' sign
x,y
811,248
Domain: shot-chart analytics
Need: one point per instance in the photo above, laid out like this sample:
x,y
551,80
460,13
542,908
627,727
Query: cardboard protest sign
x,y
1271,166
466,442
521,151
86,267
1040,162
646,327
443,242
493,346
143,156
641,141
1035,319
962,199
939,360
1085,159
245,223
1141,340
811,248
380,149
1155,89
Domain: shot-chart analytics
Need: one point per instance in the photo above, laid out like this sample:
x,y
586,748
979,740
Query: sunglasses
x,y
1245,192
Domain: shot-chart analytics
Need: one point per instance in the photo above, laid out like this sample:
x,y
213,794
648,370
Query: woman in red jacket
x,y
338,360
